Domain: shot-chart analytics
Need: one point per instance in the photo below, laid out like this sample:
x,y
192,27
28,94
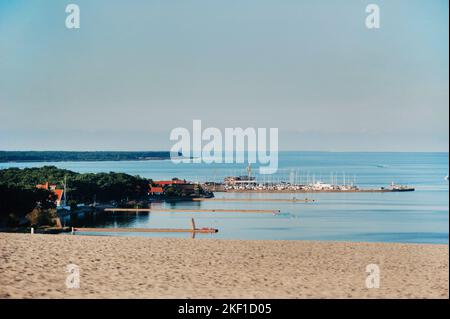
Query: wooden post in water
x,y
193,227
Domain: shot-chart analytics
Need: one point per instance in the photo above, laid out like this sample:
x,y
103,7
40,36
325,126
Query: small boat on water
x,y
398,188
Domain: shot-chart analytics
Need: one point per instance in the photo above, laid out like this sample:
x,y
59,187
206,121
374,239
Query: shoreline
x,y
33,266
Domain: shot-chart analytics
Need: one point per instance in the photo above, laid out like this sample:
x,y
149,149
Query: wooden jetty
x,y
192,230
282,200
190,210
145,230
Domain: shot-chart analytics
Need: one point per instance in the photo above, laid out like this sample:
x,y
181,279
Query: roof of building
x,y
156,190
44,186
59,193
177,181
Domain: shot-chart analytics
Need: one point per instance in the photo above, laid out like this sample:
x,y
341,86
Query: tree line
x,y
58,156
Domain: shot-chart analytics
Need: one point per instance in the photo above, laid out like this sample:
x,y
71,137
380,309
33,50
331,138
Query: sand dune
x,y
33,266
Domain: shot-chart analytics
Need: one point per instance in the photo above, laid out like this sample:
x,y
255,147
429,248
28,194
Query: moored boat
x,y
398,188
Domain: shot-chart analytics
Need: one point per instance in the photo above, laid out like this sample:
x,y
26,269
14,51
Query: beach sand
x,y
34,266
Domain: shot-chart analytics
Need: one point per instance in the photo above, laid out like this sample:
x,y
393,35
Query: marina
x,y
294,190
293,181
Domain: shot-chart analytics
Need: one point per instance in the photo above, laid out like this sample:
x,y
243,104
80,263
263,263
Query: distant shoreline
x,y
75,156
109,160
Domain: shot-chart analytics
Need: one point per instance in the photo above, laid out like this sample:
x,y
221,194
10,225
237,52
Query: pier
x,y
190,210
145,230
312,191
279,200
194,230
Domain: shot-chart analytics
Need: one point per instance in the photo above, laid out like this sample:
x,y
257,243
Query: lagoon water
x,y
421,216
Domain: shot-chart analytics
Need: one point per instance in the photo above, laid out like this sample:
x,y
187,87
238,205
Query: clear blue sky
x,y
137,69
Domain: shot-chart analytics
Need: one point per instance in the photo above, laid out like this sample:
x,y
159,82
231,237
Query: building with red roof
x,y
156,190
171,182
60,196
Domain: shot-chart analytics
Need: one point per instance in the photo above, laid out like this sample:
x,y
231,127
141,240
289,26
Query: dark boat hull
x,y
403,190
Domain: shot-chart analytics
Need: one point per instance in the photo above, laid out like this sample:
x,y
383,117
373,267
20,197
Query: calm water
x,y
420,216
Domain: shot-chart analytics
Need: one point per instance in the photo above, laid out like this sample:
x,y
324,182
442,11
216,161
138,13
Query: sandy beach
x,y
34,266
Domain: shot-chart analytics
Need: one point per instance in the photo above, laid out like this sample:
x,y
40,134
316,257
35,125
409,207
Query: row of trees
x,y
28,178
185,191
57,156
104,187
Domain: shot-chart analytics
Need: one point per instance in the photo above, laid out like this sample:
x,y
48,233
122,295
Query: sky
x,y
135,70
